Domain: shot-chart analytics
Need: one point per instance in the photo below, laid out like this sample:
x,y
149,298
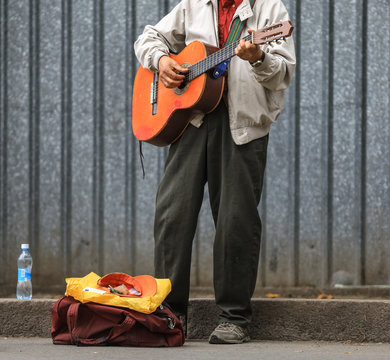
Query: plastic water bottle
x,y
24,287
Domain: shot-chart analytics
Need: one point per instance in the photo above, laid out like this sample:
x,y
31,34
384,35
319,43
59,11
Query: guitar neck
x,y
213,60
265,35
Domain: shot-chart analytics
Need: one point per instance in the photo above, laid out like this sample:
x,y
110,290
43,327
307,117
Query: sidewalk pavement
x,y
41,349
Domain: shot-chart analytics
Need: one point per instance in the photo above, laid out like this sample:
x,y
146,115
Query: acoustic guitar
x,y
160,115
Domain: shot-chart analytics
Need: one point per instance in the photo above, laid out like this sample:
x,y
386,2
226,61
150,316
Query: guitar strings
x,y
212,60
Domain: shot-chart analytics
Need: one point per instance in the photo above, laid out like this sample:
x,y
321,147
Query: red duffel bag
x,y
74,323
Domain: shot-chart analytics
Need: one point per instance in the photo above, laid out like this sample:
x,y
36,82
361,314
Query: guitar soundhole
x,y
182,85
182,88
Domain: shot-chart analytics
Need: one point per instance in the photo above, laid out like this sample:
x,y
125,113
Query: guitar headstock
x,y
272,33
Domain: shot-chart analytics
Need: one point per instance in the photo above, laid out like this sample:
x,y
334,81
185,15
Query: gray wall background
x,y
70,179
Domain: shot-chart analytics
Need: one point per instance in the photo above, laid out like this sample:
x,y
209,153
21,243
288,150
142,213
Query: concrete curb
x,y
25,318
273,319
299,319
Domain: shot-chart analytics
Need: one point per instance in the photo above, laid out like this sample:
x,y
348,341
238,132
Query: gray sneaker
x,y
228,333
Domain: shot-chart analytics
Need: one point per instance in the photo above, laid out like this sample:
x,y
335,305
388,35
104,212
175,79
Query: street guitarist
x,y
226,149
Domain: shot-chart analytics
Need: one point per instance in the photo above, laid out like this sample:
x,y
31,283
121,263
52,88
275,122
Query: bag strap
x,y
74,330
237,27
71,317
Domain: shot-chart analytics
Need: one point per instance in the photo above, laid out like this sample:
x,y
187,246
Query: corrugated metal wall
x,y
70,179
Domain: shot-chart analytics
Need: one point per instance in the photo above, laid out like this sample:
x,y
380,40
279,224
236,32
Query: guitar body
x,y
174,107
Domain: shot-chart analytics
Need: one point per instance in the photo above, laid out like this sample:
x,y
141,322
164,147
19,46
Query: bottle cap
x,y
25,246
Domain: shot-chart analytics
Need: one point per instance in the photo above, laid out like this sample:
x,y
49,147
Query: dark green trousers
x,y
234,174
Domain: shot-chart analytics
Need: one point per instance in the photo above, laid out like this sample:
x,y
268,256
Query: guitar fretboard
x,y
212,60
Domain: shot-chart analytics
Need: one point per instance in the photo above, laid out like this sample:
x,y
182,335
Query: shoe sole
x,y
216,340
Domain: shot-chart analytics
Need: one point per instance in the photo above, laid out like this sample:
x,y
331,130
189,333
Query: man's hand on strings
x,y
168,70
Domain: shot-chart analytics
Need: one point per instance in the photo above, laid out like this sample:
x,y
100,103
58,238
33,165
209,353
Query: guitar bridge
x,y
153,93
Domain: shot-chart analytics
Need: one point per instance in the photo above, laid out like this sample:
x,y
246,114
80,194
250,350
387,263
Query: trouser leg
x,y
235,175
178,202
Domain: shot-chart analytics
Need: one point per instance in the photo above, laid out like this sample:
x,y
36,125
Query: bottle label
x,y
24,275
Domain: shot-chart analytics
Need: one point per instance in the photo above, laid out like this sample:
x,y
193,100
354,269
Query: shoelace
x,y
229,326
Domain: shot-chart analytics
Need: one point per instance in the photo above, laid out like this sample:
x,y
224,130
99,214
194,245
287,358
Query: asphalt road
x,y
38,348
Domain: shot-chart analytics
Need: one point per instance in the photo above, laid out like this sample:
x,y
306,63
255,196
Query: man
x,y
226,148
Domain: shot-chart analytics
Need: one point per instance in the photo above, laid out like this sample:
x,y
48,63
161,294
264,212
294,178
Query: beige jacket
x,y
255,95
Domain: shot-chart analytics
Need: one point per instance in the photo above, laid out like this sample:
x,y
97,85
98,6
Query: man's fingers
x,y
248,51
175,76
171,79
171,73
180,68
244,45
172,64
170,83
249,45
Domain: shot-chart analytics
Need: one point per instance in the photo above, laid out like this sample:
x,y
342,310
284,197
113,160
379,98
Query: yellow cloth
x,y
146,305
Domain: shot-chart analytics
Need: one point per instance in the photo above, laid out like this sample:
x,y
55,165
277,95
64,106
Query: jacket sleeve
x,y
278,67
168,35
